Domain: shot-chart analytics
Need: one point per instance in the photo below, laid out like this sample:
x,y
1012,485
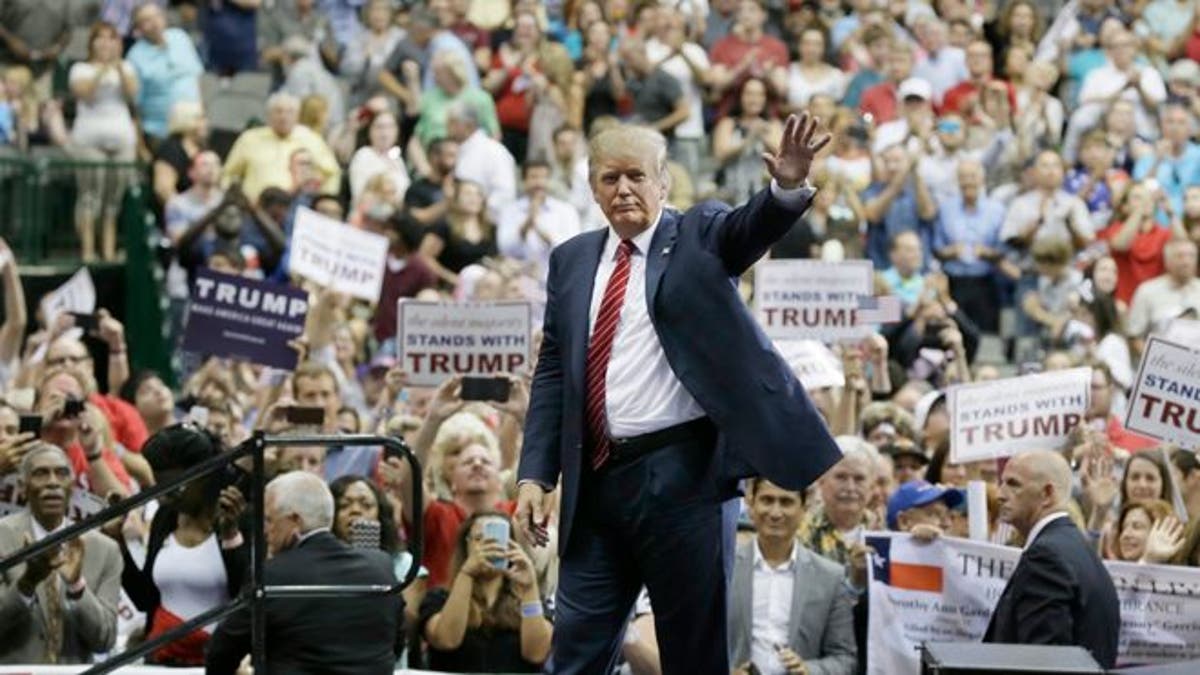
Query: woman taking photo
x,y
356,499
491,620
196,557
463,238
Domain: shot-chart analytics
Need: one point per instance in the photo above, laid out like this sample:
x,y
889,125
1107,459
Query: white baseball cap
x,y
915,87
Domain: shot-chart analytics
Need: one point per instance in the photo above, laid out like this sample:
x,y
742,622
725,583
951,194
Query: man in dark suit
x,y
315,635
655,391
1060,593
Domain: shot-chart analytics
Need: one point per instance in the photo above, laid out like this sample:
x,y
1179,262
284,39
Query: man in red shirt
x,y
964,96
880,101
405,275
475,486
80,434
69,353
1100,413
747,52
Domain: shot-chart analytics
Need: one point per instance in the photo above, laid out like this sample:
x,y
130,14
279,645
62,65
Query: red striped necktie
x,y
599,350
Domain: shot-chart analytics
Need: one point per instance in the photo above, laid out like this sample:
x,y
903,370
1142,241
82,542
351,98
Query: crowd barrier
x,y
257,590
38,199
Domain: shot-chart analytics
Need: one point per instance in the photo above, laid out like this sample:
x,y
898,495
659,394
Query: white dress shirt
x,y
484,160
40,533
557,219
642,393
1041,525
771,611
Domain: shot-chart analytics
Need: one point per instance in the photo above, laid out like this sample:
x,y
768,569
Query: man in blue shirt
x,y
898,202
168,69
904,278
966,239
1175,162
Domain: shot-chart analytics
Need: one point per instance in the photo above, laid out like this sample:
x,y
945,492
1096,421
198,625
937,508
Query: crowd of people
x,y
1024,177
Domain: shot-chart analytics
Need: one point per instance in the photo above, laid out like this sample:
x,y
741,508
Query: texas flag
x,y
905,563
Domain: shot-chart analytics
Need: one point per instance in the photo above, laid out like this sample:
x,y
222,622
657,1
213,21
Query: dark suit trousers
x,y
660,521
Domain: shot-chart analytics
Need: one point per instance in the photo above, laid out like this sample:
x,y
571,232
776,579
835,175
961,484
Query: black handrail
x,y
258,590
122,507
163,639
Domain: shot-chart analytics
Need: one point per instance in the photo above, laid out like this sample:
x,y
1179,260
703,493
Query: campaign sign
x,y
440,339
245,318
815,365
945,591
78,294
1165,403
337,256
812,299
1001,418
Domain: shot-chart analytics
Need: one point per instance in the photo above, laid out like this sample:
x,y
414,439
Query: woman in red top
x,y
1137,240
518,81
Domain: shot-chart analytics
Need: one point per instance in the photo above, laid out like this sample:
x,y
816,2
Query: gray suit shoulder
x,y
13,522
827,569
101,543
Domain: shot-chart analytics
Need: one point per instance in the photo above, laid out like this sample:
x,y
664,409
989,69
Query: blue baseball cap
x,y
919,493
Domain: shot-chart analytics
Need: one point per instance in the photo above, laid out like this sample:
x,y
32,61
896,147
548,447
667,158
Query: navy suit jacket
x,y
1059,594
767,426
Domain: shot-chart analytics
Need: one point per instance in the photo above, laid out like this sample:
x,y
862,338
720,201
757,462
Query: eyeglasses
x,y
64,360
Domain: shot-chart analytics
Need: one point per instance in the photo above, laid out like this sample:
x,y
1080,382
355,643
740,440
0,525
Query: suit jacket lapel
x,y
578,302
659,254
42,590
743,593
800,573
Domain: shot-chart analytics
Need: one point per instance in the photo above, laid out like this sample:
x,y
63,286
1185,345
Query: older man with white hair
x,y
261,157
315,635
61,606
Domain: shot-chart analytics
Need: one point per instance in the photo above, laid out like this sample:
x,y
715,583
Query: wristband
x,y
531,610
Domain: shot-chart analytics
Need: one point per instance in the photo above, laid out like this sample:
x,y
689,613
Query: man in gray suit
x,y
791,609
60,607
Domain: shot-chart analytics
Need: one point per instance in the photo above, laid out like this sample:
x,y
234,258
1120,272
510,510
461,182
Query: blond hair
x,y
460,430
625,140
453,63
185,117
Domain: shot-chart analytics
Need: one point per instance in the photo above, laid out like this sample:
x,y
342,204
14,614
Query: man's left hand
x,y
800,144
792,661
72,561
111,330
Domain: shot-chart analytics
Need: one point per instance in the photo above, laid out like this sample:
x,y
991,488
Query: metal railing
x,y
257,592
41,199
38,200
